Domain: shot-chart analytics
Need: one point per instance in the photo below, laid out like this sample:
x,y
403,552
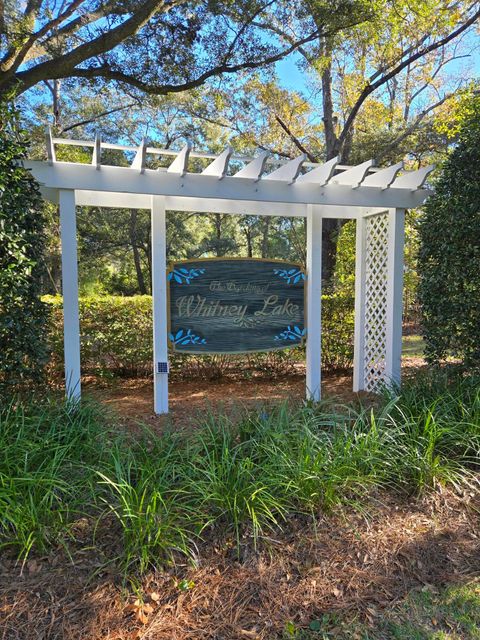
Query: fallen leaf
x,y
155,596
141,616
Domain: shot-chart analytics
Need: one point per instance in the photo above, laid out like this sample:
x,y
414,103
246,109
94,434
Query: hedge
x,y
116,339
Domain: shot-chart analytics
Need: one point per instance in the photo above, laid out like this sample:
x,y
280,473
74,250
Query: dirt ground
x,y
189,401
356,565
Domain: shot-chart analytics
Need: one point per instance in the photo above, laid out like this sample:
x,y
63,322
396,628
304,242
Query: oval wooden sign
x,y
235,305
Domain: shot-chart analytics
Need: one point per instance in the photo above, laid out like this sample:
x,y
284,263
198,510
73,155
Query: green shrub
x,y
22,314
449,256
116,333
116,337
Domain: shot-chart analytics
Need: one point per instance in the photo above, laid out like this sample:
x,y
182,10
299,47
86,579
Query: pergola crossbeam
x,y
218,168
84,177
320,175
413,180
51,157
383,179
140,157
97,152
352,177
288,172
179,165
254,169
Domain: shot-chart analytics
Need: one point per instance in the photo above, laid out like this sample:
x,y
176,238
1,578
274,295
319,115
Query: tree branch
x,y
370,88
108,73
100,115
13,60
294,139
62,66
411,128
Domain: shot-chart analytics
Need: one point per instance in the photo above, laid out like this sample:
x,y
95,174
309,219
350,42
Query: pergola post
x,y
159,296
359,331
396,239
71,321
314,302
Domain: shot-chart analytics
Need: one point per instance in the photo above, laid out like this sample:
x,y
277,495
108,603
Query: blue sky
x,y
294,79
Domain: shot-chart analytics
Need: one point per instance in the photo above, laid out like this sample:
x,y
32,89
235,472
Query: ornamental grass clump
x,y
48,451
161,495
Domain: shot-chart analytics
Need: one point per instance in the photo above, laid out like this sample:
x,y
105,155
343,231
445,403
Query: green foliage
x,y
344,275
449,255
47,451
116,333
117,337
22,314
59,465
337,331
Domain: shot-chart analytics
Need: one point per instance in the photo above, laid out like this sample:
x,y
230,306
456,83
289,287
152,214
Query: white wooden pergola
x,y
375,198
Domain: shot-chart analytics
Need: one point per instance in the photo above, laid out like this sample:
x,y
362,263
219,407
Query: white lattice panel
x,y
376,272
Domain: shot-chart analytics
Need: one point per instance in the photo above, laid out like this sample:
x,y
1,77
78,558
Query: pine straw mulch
x,y
354,564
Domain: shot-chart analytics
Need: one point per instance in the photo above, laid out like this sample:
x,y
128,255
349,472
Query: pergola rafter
x,y
376,198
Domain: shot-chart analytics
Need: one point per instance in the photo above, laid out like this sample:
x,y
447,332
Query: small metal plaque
x,y
235,305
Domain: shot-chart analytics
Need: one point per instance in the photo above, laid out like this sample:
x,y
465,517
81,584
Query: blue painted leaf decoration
x,y
185,337
183,275
292,276
295,334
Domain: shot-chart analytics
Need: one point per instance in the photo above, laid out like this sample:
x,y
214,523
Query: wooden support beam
x,y
321,175
393,351
71,317
359,331
159,300
314,302
218,168
180,164
254,169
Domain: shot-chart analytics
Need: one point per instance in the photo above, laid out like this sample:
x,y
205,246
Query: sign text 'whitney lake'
x,y
227,305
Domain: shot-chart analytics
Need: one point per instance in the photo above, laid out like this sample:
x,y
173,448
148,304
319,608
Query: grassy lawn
x,y
413,346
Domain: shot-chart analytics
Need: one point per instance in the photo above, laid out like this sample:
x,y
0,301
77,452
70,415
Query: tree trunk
x,y
266,231
248,237
136,254
56,103
329,120
330,227
218,234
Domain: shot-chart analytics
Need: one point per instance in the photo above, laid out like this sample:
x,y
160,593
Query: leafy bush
x,y
449,257
22,314
116,333
116,336
59,464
